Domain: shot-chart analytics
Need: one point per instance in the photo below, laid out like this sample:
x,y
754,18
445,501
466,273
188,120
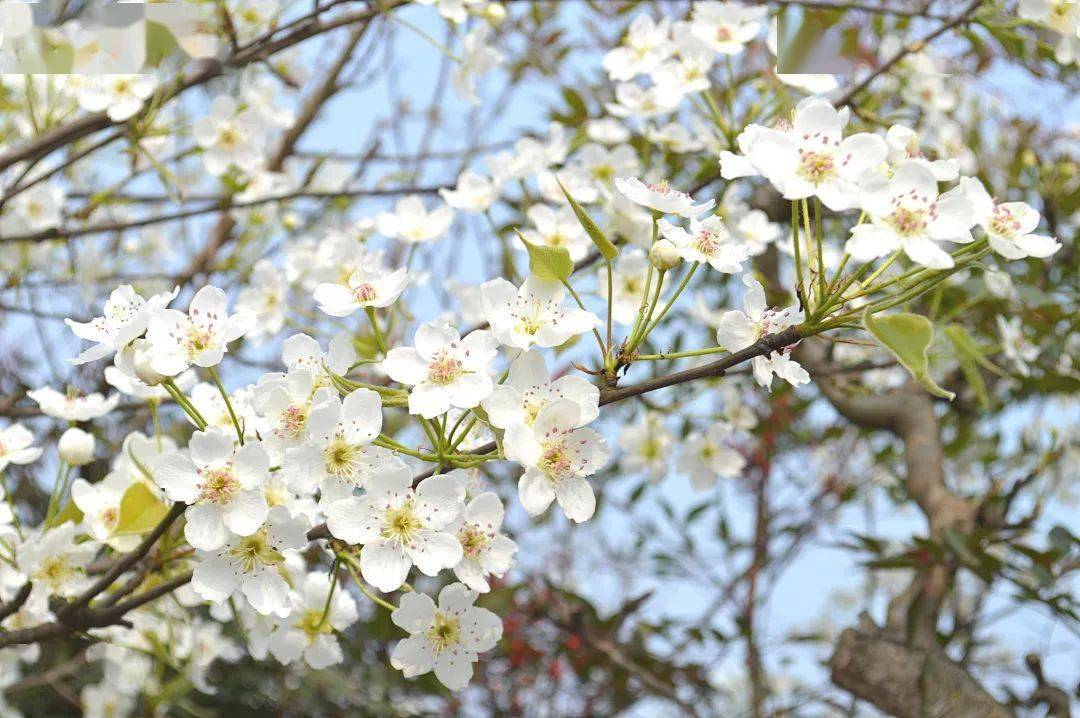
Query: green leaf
x,y
140,510
70,512
907,337
548,262
970,357
607,249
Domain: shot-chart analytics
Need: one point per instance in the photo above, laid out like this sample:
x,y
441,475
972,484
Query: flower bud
x,y
76,447
134,361
664,256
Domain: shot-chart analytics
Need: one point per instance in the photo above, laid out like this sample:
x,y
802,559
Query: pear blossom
x,y
607,131
477,57
302,351
661,197
647,447
250,564
286,402
633,100
55,563
708,241
738,330
221,484
119,96
1063,18
447,639
705,456
124,318
400,526
412,223
100,505
38,208
1009,226
264,299
207,400
627,285
443,368
907,213
227,137
687,74
557,228
374,288
604,164
200,337
755,231
529,388
533,314
811,157
1016,347
15,446
646,44
336,452
726,27
72,406
485,550
473,193
557,454
308,631
903,143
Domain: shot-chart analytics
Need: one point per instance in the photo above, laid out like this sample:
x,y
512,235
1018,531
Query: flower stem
x,y
228,404
351,568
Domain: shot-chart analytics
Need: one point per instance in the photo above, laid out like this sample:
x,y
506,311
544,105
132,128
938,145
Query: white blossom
x,y
533,314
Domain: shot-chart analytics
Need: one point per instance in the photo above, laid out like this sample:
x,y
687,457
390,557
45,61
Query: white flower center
x,y
365,293
255,550
402,524
342,458
816,167
556,460
908,222
474,540
291,421
1003,222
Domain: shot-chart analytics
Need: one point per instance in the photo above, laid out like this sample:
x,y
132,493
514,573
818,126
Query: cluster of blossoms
x,y
300,456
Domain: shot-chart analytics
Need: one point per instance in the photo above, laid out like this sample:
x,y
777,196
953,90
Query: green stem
x,y
380,339
671,301
798,255
330,593
228,404
596,333
350,567
183,403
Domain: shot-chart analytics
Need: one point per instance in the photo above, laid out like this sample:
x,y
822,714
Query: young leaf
x,y
70,512
140,510
548,262
607,249
907,337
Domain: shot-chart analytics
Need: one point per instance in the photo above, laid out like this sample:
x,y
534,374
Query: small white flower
x,y
646,446
72,407
300,350
15,446
443,369
708,241
447,639
55,562
557,456
119,96
627,285
726,27
1016,347
336,452
375,288
477,58
412,223
1009,226
264,299
533,314
661,197
906,213
474,192
200,337
738,330
633,100
286,401
251,564
399,526
1000,284
529,388
810,158
227,137
100,505
705,457
903,145
557,228
221,484
124,318
308,631
485,550
646,44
